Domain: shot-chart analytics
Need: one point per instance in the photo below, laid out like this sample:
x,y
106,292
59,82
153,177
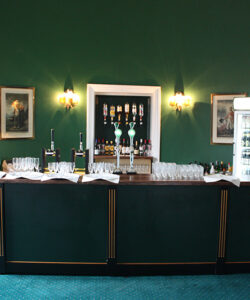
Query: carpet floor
x,y
211,287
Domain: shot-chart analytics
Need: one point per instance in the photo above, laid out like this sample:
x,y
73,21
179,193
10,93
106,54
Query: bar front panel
x,y
238,225
171,224
56,223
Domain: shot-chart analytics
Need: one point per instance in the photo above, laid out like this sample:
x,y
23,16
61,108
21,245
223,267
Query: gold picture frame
x,y
222,118
17,112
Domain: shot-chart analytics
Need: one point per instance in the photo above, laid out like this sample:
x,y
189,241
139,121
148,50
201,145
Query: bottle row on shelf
x,y
245,125
217,168
123,114
245,140
245,157
105,147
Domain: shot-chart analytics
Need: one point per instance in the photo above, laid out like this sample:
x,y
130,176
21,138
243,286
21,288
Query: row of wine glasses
x,y
101,167
24,164
62,167
172,171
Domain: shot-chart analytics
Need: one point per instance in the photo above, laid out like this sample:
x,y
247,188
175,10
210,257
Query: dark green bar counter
x,y
139,226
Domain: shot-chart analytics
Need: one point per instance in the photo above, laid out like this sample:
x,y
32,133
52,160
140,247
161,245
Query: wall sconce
x,y
179,100
69,99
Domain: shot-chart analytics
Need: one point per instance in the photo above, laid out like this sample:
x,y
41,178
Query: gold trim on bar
x,y
109,237
54,262
237,262
111,250
114,242
1,223
177,263
223,224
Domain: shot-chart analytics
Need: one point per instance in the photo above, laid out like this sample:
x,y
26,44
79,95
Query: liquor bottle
x,y
145,148
217,167
107,148
105,112
141,151
103,147
126,110
123,147
99,145
134,112
212,170
127,148
96,150
229,169
136,151
119,113
141,112
221,167
149,148
112,113
111,148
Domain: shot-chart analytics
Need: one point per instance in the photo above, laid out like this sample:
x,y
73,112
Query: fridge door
x,y
241,159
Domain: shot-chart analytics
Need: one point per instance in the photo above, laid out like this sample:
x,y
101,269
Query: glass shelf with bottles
x,y
106,148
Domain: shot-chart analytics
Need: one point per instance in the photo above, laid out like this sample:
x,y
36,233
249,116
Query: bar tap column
x,y
131,134
118,134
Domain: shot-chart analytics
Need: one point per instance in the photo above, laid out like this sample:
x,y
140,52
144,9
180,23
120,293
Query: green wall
x,y
206,43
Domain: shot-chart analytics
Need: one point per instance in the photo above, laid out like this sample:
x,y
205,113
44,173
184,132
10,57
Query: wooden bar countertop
x,y
129,180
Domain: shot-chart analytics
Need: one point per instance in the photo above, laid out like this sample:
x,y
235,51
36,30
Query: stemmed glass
x,y
36,164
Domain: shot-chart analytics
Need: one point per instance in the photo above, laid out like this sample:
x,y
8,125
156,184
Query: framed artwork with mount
x,y
222,118
17,112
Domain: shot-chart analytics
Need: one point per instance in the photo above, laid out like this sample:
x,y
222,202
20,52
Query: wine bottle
x,y
126,110
127,148
96,150
112,113
107,148
103,147
136,151
111,148
141,152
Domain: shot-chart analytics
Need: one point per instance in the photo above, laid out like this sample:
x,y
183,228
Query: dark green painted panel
x,y
238,225
56,222
167,224
206,44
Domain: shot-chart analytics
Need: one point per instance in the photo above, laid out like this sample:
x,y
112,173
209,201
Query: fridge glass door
x,y
242,146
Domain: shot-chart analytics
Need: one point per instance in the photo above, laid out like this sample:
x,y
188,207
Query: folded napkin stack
x,y
217,177
105,176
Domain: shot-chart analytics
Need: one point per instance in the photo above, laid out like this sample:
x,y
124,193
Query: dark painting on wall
x,y
17,112
17,108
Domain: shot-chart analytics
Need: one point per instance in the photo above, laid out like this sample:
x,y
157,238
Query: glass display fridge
x,y
241,155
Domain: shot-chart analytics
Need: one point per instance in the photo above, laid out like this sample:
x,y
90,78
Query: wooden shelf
x,y
122,157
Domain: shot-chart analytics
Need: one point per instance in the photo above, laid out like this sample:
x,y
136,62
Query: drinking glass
x,y
15,163
90,166
50,167
36,164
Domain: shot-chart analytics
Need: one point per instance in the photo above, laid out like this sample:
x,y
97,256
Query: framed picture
x,y
222,118
17,112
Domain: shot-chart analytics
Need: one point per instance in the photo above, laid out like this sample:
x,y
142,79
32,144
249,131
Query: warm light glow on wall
x,y
69,99
179,100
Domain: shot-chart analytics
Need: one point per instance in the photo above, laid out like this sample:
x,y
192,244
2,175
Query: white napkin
x,y
217,177
2,174
69,176
27,175
105,176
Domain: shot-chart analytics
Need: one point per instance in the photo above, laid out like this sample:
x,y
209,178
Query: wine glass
x,y
36,164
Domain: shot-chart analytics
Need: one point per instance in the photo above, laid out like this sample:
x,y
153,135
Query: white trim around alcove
x,y
154,92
